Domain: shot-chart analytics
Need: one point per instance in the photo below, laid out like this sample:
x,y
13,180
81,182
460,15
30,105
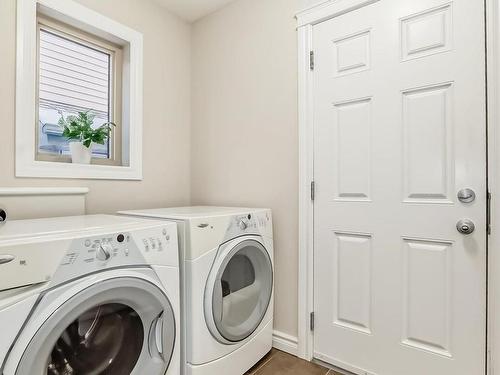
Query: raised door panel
x,y
428,144
352,147
352,281
352,53
427,289
426,33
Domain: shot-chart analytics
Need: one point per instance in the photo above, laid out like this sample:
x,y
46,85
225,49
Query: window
x,y
71,59
77,72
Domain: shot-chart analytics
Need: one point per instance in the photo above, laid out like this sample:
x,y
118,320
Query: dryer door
x,y
238,291
118,326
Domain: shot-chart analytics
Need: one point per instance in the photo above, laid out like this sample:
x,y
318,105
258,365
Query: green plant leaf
x,y
80,128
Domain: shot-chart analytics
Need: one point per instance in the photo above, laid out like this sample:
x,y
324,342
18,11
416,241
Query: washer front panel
x,y
122,325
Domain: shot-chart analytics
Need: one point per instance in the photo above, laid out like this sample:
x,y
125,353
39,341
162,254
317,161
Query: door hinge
x,y
313,190
490,363
311,60
311,321
488,213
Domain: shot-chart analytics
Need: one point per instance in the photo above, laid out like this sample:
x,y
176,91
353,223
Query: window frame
x,y
114,105
79,22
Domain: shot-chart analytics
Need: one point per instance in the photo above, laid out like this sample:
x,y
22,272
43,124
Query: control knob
x,y
242,225
104,252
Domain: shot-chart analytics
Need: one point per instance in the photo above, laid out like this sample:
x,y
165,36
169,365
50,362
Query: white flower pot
x,y
79,153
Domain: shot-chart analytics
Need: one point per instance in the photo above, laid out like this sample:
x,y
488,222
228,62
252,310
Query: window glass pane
x,y
73,77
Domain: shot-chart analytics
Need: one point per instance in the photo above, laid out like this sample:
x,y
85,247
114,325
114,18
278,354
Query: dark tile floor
x,y
280,363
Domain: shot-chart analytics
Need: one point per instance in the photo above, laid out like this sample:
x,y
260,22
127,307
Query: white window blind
x,y
73,76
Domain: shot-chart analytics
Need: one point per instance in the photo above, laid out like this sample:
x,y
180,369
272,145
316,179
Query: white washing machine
x,y
89,295
228,286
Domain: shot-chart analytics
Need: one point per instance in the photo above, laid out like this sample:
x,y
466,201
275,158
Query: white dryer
x,y
228,286
89,295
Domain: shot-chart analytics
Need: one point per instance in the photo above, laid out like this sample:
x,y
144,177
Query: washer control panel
x,y
103,249
151,246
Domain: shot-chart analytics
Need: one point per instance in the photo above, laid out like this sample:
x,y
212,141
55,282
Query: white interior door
x,y
399,130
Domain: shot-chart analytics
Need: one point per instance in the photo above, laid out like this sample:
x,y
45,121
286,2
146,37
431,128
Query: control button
x,y
127,252
164,231
242,225
120,238
87,243
167,237
104,252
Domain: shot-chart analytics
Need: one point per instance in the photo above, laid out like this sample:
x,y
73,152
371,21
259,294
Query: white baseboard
x,y
285,343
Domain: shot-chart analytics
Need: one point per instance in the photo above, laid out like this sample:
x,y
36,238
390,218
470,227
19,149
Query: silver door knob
x,y
465,226
466,195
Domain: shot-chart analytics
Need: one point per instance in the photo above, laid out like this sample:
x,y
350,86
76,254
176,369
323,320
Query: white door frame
x,y
306,19
493,80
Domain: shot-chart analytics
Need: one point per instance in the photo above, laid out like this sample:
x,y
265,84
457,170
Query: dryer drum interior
x,y
242,290
119,326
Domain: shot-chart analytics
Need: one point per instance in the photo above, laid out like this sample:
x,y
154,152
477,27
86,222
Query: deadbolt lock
x,y
466,195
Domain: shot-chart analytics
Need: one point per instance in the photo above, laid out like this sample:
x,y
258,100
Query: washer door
x,y
118,326
238,291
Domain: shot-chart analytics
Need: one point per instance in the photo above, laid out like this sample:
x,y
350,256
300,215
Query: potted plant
x,y
79,130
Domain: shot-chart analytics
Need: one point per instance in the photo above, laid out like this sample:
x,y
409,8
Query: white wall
x,y
303,4
244,124
166,109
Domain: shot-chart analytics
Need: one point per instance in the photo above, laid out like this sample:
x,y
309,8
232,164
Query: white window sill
x,y
45,169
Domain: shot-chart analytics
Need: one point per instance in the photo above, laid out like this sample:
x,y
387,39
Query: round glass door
x,y
241,290
106,339
115,327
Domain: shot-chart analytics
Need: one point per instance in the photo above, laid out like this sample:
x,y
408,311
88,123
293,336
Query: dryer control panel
x,y
258,223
